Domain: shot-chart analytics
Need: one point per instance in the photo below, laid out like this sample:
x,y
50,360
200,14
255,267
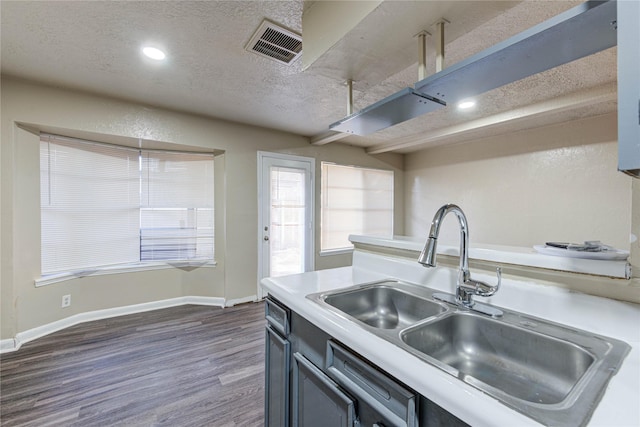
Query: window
x,y
354,201
105,205
176,209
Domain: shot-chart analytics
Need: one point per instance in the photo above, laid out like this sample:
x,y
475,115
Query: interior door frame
x,y
310,199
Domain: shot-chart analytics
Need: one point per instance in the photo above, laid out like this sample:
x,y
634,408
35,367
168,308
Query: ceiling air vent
x,y
275,42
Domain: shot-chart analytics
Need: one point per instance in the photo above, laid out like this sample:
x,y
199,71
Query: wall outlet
x,y
66,301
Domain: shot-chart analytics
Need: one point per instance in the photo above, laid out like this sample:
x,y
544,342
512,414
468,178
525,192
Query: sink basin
x,y
383,306
545,370
519,362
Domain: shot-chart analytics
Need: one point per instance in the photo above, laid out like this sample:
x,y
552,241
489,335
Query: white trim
x,y
7,345
14,344
281,156
120,268
212,301
232,302
339,251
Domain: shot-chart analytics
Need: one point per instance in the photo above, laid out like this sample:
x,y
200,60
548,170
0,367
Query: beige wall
x,y
77,114
557,183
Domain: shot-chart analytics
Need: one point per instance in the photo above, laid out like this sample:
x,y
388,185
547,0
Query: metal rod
x,y
440,46
422,55
349,97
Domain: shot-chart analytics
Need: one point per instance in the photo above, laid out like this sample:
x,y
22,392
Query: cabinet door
x,y
277,364
628,87
317,400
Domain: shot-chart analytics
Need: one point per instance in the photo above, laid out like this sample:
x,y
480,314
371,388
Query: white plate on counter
x,y
612,254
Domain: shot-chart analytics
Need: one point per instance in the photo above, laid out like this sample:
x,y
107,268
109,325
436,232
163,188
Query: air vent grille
x,y
275,42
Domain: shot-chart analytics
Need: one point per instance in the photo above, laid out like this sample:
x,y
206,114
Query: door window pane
x,y
287,230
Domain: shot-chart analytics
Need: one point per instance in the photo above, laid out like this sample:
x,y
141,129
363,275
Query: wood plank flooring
x,y
182,366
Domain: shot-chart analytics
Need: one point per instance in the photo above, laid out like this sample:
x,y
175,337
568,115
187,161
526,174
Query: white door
x,y
285,215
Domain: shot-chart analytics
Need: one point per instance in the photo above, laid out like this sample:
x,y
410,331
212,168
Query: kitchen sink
x,y
518,361
550,372
383,305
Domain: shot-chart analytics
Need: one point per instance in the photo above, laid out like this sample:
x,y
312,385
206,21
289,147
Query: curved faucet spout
x,y
466,287
428,254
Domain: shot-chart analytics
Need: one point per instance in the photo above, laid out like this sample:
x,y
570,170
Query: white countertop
x,y
618,407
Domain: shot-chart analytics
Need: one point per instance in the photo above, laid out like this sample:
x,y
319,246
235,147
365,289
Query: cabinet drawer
x,y
277,315
395,402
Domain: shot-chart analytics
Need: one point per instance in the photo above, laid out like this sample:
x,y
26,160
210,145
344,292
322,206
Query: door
x,y
317,400
285,215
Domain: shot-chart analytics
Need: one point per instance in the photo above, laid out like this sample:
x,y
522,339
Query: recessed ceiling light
x,y
153,53
465,105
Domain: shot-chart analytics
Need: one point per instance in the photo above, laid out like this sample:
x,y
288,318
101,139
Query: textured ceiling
x,y
95,46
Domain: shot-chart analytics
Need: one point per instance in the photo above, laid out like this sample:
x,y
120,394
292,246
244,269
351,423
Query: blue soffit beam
x,y
581,31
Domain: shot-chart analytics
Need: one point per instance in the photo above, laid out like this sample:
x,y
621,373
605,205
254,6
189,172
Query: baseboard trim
x,y
232,302
9,345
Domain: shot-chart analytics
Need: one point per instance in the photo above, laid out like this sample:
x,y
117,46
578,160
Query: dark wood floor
x,y
181,366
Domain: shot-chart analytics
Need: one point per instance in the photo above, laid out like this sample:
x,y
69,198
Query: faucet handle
x,y
476,287
499,274
486,290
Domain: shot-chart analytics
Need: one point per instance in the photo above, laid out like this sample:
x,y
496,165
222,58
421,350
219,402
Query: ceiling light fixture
x,y
465,105
154,53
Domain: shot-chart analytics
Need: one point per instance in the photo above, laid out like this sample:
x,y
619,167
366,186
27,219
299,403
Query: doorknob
x,y
266,238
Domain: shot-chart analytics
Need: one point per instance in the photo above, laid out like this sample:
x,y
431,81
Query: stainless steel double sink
x,y
552,373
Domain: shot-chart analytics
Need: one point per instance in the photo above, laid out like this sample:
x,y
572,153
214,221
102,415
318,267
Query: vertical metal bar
x,y
440,46
422,55
349,97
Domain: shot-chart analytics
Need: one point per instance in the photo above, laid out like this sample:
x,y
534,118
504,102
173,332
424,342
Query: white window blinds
x,y
176,215
107,205
89,205
354,201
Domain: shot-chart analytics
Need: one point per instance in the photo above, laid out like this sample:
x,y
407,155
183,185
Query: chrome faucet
x,y
466,287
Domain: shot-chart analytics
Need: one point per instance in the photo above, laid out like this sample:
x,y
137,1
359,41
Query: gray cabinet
x,y
277,365
313,380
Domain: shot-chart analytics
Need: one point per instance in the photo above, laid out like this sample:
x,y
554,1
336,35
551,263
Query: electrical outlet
x,y
66,300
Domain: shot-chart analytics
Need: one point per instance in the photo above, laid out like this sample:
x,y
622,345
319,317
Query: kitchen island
x,y
379,260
